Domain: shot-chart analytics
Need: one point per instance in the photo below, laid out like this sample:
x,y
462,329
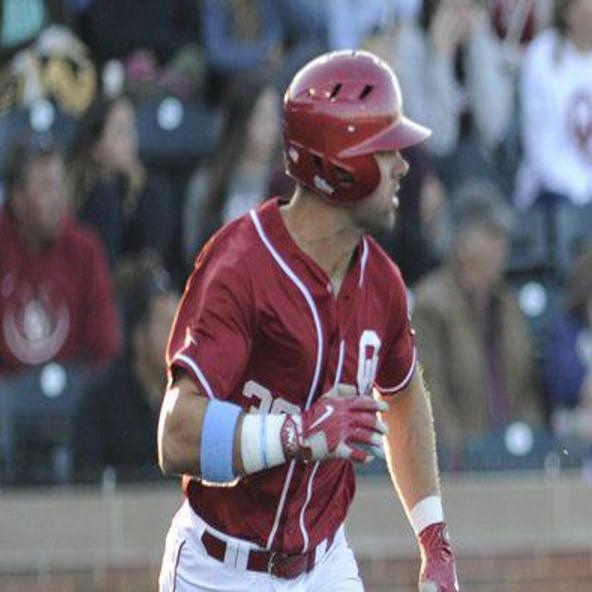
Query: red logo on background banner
x,y
580,123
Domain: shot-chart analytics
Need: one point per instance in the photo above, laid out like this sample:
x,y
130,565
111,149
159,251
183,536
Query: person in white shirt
x,y
451,65
556,99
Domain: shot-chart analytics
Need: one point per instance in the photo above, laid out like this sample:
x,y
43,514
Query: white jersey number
x,y
264,401
267,403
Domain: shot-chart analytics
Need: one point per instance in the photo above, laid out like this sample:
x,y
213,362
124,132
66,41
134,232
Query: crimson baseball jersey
x,y
259,326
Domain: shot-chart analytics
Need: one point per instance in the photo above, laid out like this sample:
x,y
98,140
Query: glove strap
x,y
291,437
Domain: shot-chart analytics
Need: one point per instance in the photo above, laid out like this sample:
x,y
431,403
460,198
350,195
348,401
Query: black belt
x,y
280,565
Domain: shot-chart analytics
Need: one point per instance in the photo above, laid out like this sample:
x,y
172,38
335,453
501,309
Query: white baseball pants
x,y
186,566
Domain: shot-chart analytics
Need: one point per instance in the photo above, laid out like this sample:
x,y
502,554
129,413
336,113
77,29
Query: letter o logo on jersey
x,y
367,360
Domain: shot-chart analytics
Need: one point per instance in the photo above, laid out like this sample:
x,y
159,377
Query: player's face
x,y
377,212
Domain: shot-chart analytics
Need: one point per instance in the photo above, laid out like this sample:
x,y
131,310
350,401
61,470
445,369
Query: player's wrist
x,y
291,438
261,442
433,536
426,512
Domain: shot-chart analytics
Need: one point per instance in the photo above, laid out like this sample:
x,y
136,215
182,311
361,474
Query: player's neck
x,y
323,232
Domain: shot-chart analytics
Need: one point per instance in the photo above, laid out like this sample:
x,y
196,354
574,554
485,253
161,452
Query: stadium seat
x,y
517,449
176,133
548,234
37,408
43,117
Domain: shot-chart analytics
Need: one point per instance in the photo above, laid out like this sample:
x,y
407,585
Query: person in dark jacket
x,y
131,209
567,358
117,419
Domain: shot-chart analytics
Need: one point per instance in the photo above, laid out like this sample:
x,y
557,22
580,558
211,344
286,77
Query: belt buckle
x,y
285,565
271,562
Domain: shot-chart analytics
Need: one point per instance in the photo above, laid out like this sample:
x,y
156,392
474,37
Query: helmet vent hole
x,y
344,177
318,162
335,91
366,91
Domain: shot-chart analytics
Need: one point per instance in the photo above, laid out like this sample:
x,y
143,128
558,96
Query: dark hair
x,y
88,132
428,10
559,15
137,282
579,283
240,106
478,201
28,147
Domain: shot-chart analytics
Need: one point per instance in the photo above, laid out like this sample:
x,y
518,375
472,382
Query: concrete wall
x,y
509,530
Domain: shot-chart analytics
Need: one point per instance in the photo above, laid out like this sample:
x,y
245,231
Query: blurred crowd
x,y
130,131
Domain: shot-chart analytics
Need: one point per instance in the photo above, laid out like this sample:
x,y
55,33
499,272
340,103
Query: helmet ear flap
x,y
354,177
345,177
339,174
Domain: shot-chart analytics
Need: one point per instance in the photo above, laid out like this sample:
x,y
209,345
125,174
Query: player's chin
x,y
381,225
385,222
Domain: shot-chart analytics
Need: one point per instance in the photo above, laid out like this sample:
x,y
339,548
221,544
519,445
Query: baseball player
x,y
291,320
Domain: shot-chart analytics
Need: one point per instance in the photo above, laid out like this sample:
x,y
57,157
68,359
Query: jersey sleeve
x,y
399,361
211,337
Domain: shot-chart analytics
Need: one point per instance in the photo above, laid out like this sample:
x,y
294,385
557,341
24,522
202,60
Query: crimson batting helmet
x,y
339,110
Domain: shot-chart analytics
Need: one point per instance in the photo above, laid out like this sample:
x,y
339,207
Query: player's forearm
x,y
217,441
181,431
179,426
411,457
410,445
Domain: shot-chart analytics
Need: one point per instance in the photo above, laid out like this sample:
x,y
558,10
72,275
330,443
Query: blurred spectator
x,y
57,68
453,75
118,416
344,24
306,18
557,109
253,40
241,38
114,30
567,359
517,21
56,301
415,243
350,22
131,209
22,20
160,51
476,347
240,176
